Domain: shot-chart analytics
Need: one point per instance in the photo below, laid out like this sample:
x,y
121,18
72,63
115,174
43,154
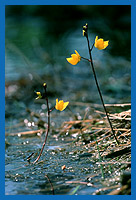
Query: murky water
x,y
56,154
36,51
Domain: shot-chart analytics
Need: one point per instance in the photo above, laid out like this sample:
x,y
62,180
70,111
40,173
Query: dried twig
x,y
26,133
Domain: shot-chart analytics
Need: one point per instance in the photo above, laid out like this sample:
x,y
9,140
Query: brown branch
x,y
25,133
50,184
48,129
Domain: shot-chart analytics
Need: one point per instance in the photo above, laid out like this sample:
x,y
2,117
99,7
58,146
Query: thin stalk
x,y
50,184
75,190
52,109
29,157
110,169
91,63
74,115
48,129
86,59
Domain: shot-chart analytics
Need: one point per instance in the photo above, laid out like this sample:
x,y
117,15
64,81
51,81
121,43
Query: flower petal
x,y
73,60
77,53
56,106
65,105
95,44
106,43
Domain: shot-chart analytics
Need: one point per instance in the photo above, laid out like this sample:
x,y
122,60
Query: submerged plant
x,y
60,105
99,44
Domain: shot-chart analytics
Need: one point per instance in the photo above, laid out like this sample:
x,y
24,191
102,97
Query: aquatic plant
x,y
100,44
60,105
75,58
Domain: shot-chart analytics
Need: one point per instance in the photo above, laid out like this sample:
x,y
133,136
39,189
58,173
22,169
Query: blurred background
x,y
38,39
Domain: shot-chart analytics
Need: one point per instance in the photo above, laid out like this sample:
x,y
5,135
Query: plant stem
x,y
91,63
74,115
86,59
48,129
52,109
50,184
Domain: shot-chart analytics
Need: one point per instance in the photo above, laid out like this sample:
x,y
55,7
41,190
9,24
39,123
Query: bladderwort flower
x,y
39,96
61,105
75,58
100,43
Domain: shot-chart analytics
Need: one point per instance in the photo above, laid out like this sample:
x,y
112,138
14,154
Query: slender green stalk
x,y
110,169
75,190
95,77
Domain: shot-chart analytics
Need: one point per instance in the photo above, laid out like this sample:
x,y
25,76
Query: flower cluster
x,y
60,105
74,59
99,44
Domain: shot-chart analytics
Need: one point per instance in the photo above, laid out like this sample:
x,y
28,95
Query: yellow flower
x,y
61,105
75,58
39,95
100,43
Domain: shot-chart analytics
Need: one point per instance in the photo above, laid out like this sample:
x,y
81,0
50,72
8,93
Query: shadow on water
x,y
38,40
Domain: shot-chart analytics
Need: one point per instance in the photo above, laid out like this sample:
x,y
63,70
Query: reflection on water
x,y
38,40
